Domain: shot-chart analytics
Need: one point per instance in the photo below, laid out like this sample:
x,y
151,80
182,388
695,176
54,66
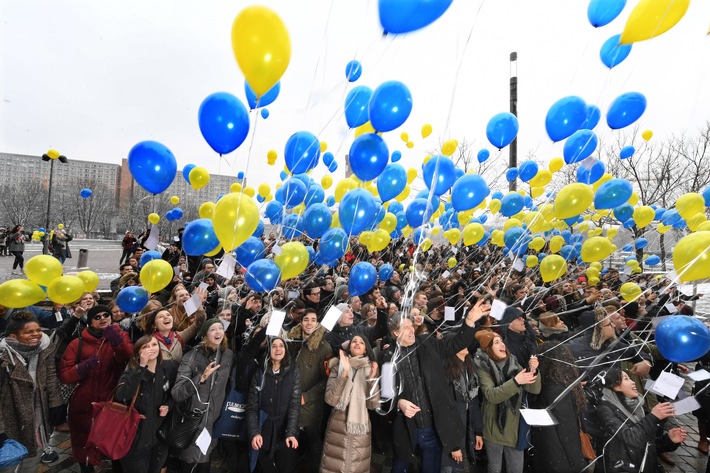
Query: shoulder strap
x,y
78,350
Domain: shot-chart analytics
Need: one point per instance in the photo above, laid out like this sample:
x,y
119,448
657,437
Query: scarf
x,y
95,333
501,371
630,407
354,398
168,341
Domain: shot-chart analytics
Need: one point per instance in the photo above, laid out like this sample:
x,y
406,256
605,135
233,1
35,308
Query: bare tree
x,y
24,202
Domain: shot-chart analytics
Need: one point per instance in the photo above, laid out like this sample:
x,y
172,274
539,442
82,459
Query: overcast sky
x,y
92,78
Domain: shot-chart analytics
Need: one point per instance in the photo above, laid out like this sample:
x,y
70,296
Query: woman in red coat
x,y
95,360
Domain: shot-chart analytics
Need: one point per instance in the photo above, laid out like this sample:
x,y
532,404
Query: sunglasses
x,y
103,315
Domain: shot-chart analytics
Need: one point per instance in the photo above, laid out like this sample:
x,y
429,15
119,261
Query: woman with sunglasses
x,y
95,360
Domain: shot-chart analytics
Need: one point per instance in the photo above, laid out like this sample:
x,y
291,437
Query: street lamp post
x,y
62,159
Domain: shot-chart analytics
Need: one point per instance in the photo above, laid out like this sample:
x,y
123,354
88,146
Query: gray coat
x,y
188,389
16,242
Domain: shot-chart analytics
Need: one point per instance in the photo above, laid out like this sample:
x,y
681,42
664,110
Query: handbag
x,y
587,449
11,453
523,427
114,426
232,423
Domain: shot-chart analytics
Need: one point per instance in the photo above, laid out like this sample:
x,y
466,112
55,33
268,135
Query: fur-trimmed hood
x,y
296,333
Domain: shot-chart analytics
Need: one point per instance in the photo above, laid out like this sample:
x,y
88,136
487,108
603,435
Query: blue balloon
x,y
264,113
512,236
593,116
458,172
681,338
511,204
625,110
224,122
603,12
332,167
294,192
385,272
627,152
274,211
240,175
283,175
706,196
659,213
316,220
511,174
199,237
403,16
353,70
41,229
263,275
419,212
357,211
391,182
311,253
623,212
395,207
356,106
612,194
589,173
567,252
439,174
468,192
613,52
86,193
149,256
315,195
497,195
292,227
132,299
396,156
653,260
333,244
177,211
368,156
527,170
363,277
271,95
302,152
483,155
152,165
390,106
305,179
186,172
565,117
330,201
629,223
259,230
641,243
249,251
671,217
628,247
580,146
502,129
170,216
328,158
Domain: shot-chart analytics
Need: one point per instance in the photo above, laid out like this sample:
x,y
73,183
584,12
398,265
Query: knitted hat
x,y
206,326
342,307
485,338
97,309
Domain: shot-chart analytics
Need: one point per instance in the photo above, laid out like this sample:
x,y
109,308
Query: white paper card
x,y
657,320
276,250
331,318
192,304
668,385
670,307
58,316
445,274
151,242
275,323
518,265
293,295
538,417
649,385
497,309
623,277
203,286
449,314
226,267
700,375
203,441
454,250
689,404
387,381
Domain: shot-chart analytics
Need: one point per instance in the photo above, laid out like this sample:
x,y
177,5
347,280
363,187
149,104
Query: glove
x,y
3,437
87,366
57,415
113,335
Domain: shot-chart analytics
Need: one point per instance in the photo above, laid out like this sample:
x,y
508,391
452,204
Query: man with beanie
x,y
518,335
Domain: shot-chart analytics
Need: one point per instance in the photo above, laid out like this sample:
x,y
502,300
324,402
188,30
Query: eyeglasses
x,y
315,294
102,315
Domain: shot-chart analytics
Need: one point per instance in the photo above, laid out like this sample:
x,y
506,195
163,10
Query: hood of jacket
x,y
12,353
296,333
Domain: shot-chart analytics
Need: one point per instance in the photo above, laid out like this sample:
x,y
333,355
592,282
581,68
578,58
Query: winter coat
x,y
558,448
340,335
310,358
18,419
344,452
154,392
495,393
175,350
16,242
96,386
447,422
188,389
584,354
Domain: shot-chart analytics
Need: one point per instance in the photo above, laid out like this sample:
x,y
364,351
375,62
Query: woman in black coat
x,y
558,448
154,377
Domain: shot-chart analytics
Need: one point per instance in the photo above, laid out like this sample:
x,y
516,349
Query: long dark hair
x,y
135,360
557,366
454,367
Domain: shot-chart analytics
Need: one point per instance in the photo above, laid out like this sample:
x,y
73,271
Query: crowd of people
x,y
432,366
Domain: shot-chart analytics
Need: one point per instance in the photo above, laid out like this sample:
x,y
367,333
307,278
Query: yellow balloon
x,y
552,267
271,156
90,278
630,291
464,217
690,204
663,228
299,209
556,164
536,192
343,187
235,218
426,130
535,221
364,128
593,281
451,263
531,261
572,200
541,179
643,216
691,257
404,136
264,189
494,206
214,252
612,232
695,221
156,275
556,243
426,245
249,191
411,175
596,249
293,259
703,227
647,135
449,147
365,237
406,231
60,226
510,223
67,289
235,187
403,195
19,293
651,18
473,233
53,153
261,46
326,181
389,223
335,222
174,200
379,240
154,218
592,272
410,144
537,243
206,209
547,211
323,146
43,269
497,237
453,235
199,178
605,177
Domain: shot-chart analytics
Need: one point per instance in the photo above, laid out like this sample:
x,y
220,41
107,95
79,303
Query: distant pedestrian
x,y
16,243
127,245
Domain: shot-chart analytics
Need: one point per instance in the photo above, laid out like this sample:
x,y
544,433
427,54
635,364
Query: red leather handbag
x,y
114,427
